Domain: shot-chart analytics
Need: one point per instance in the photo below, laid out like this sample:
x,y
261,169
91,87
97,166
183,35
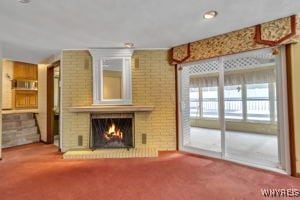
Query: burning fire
x,y
113,133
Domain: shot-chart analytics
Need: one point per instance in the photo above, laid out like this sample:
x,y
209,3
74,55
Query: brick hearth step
x,y
111,153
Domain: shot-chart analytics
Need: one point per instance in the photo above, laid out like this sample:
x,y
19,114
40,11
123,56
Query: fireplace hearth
x,y
112,131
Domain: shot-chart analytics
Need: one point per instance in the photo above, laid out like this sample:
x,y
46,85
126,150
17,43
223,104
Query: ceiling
x,y
32,32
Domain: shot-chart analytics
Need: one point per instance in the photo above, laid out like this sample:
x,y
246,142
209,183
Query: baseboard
x,y
42,141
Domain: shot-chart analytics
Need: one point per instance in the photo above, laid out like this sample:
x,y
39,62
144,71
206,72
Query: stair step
x,y
28,123
19,129
16,125
20,133
20,141
17,117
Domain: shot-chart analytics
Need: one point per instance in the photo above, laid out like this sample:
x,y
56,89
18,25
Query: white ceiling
x,y
32,32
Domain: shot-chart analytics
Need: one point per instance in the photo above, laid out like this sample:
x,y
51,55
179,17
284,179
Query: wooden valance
x,y
281,31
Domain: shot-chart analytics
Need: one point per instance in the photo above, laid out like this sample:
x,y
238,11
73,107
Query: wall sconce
x,y
86,64
8,76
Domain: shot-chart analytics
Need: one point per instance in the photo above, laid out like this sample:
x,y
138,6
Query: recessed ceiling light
x,y
24,1
128,45
210,14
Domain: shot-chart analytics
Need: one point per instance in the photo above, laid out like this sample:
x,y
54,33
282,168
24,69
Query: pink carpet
x,y
37,171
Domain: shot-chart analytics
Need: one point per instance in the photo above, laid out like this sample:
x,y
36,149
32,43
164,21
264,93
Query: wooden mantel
x,y
111,108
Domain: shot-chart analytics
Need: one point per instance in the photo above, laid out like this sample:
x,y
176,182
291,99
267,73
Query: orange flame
x,y
113,132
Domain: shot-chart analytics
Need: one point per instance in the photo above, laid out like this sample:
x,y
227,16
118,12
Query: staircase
x,y
18,129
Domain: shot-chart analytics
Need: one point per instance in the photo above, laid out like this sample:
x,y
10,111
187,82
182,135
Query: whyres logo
x,y
291,192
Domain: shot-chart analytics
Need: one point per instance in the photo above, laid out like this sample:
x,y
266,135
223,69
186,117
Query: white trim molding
x,y
98,56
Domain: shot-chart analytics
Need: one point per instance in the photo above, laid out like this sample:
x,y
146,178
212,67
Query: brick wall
x,y
76,75
153,82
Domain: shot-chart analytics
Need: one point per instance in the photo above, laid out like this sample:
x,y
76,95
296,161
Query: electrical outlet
x,y
144,138
80,140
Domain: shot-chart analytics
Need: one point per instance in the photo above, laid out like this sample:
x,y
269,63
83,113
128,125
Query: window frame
x,y
271,100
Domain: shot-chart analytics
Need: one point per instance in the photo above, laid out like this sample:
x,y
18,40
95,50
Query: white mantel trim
x,y
113,52
112,109
97,56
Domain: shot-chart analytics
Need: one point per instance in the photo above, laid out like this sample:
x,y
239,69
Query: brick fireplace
x,y
153,87
112,131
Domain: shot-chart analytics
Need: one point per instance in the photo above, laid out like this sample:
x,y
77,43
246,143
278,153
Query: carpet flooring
x,y
38,172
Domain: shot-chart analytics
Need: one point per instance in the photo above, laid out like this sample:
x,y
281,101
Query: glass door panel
x,y
251,126
235,107
200,107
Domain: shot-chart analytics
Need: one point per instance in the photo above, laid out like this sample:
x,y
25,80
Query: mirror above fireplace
x,y
112,76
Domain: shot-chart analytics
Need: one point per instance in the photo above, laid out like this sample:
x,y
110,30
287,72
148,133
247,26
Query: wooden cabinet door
x,y
25,71
19,71
32,100
31,72
21,99
26,99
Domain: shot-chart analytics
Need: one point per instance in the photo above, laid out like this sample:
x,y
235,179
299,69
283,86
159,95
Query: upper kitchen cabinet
x,y
25,71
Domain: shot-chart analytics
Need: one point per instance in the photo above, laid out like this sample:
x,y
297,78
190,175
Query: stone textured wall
x,y
153,82
19,129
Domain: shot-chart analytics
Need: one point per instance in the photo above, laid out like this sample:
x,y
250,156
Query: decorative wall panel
x,y
282,31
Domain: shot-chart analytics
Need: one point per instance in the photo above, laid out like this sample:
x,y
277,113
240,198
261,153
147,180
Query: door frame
x,y
180,107
50,101
283,138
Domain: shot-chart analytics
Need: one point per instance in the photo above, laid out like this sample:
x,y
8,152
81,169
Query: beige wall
x,y
264,128
296,98
7,69
0,103
153,83
42,101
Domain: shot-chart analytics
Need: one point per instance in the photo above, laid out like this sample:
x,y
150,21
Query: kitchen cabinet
x,y
25,71
24,99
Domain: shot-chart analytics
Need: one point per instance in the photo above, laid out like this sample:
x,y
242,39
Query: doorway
x,y
53,104
234,108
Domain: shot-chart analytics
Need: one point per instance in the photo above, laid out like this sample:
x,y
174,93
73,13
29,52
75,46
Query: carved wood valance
x,y
281,31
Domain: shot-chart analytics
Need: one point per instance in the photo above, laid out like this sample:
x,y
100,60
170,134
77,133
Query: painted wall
x,y
296,98
0,103
153,82
7,70
42,101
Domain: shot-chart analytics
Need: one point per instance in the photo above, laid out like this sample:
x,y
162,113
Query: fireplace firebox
x,y
112,131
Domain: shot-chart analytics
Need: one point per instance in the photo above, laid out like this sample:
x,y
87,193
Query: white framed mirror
x,y
111,76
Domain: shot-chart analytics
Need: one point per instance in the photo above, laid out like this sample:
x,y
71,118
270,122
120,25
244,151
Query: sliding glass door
x,y
200,108
229,108
250,104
